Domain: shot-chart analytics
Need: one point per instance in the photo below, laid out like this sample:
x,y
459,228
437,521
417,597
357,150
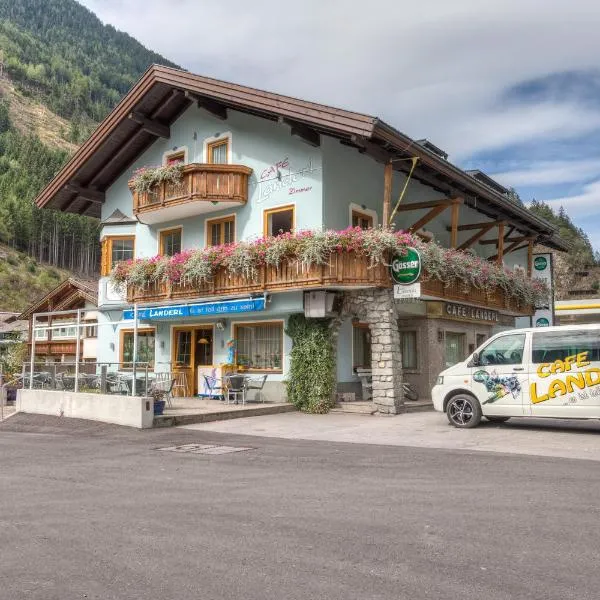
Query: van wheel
x,y
497,419
463,411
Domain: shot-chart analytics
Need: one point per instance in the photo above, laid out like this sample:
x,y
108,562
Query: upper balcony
x,y
204,188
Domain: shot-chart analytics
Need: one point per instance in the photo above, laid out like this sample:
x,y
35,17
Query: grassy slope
x,y
23,280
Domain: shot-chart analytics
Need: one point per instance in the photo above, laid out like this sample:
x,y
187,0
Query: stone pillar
x,y
377,308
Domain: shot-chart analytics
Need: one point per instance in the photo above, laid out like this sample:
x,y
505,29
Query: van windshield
x,y
505,350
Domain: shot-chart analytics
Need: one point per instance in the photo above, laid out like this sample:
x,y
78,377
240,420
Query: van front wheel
x,y
463,411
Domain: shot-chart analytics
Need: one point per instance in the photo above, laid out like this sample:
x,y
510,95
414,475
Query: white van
x,y
548,372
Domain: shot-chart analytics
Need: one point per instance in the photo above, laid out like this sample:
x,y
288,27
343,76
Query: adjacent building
x,y
55,337
260,164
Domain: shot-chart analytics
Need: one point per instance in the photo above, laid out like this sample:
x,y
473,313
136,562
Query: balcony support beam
x,y
454,225
432,214
472,226
500,255
514,247
507,240
445,202
530,258
150,125
483,229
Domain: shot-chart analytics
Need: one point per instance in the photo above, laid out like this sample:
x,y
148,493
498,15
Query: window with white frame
x,y
64,331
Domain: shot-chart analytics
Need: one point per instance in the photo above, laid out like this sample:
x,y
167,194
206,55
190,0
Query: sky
x,y
511,87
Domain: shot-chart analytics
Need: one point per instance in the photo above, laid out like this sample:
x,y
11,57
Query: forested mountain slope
x,y
61,72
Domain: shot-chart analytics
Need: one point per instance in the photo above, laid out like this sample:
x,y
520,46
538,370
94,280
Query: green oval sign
x,y
542,322
406,269
540,263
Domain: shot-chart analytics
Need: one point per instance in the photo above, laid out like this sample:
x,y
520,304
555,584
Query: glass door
x,y
455,348
183,364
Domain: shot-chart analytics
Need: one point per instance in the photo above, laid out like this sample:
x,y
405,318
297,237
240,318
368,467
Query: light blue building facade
x,y
309,172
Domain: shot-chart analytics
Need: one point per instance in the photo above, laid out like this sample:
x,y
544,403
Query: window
x,y
279,220
146,342
220,231
116,249
361,220
408,347
259,346
505,350
361,346
557,345
63,331
217,152
175,158
480,339
183,345
91,331
41,333
170,242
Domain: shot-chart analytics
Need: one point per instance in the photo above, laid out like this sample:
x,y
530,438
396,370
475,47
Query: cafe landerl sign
x,y
406,268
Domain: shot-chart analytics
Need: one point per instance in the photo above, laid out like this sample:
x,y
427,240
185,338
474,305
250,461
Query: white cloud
x,y
434,69
549,172
584,204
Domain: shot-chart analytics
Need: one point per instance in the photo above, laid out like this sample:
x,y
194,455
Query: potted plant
x,y
158,396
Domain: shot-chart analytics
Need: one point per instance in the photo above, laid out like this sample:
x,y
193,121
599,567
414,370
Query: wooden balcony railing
x,y
55,347
497,300
200,183
343,270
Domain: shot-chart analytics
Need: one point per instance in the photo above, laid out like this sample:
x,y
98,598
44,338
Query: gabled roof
x,y
118,218
65,296
163,93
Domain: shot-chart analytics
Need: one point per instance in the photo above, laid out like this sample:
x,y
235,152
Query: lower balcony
x,y
56,347
350,271
203,188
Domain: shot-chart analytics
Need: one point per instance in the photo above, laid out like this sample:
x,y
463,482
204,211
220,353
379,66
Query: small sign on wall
x,y
402,292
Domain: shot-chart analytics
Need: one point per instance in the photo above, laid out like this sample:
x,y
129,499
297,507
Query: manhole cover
x,y
204,449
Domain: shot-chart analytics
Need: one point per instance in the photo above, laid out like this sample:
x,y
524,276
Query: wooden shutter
x,y
105,257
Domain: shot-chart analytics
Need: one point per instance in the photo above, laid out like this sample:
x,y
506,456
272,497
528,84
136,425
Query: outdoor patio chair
x,y
214,387
236,387
257,383
165,385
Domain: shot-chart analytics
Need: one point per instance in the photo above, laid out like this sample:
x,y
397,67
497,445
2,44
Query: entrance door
x,y
500,379
183,348
455,348
203,356
192,348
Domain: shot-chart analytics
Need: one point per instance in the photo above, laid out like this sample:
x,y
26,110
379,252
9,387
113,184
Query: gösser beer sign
x,y
406,268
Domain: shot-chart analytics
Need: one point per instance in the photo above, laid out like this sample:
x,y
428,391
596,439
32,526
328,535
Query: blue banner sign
x,y
178,311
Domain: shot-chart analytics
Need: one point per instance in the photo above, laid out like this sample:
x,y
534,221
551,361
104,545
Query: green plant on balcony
x,y
144,180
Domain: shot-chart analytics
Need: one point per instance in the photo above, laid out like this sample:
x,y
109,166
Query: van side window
x,y
505,350
548,346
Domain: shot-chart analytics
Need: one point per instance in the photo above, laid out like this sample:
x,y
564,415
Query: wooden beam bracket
x,y
306,134
89,194
151,126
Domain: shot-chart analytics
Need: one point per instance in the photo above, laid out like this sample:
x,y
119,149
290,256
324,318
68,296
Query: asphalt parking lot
x,y
536,437
95,511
